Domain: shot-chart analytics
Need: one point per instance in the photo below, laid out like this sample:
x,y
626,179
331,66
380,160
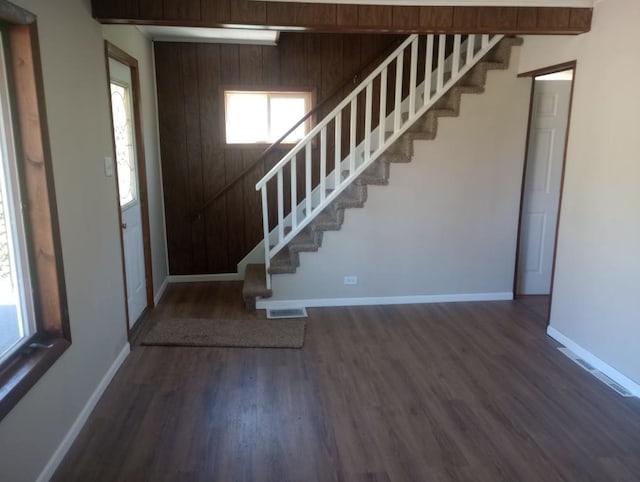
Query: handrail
x,y
329,117
352,80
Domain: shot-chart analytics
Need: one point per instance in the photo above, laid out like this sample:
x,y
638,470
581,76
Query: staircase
x,y
295,227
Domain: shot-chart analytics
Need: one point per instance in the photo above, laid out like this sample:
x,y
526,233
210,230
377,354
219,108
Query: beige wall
x,y
446,224
129,39
79,126
596,300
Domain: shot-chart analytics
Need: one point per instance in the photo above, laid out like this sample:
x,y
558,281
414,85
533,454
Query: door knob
x,y
124,225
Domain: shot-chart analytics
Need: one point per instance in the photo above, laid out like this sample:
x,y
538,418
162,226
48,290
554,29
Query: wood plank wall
x,y
352,18
195,160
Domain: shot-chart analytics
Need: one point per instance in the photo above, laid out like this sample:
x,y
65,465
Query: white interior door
x,y
542,184
126,162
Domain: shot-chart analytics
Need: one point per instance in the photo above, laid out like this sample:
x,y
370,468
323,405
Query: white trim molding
x,y
596,362
163,287
267,303
199,278
73,432
459,3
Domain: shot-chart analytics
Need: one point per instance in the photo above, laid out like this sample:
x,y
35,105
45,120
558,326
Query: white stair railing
x,y
354,134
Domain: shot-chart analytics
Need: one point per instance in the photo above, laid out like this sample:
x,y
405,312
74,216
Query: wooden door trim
x,y
115,53
571,65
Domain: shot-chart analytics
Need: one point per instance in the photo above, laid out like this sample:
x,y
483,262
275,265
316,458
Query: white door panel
x,y
543,178
128,189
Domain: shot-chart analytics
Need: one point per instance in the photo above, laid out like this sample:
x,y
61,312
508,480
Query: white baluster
x,y
485,40
367,122
352,138
399,70
307,169
412,77
265,231
382,126
441,46
337,171
294,193
280,206
456,55
323,164
428,69
471,40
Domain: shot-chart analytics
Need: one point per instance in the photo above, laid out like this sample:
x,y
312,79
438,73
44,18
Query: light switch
x,y
108,166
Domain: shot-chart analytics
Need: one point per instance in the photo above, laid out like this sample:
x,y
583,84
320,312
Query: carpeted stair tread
x,y
282,263
255,285
326,221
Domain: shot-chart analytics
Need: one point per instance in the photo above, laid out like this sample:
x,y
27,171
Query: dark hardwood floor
x,y
460,391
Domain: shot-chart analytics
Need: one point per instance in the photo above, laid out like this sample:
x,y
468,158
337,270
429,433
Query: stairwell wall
x,y
446,225
595,301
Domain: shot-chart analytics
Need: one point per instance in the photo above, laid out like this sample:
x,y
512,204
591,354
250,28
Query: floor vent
x,y
287,313
619,389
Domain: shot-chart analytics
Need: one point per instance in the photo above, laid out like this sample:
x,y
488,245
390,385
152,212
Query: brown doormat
x,y
229,333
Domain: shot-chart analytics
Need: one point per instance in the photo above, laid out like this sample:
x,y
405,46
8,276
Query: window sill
x,y
21,371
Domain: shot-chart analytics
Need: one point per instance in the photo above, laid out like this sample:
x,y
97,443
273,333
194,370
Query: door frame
x,y
571,65
115,53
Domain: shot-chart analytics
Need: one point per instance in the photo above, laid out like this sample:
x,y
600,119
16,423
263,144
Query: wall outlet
x,y
350,280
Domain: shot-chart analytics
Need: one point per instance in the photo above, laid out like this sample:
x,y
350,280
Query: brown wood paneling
x,y
215,11
527,19
181,9
252,214
236,215
248,12
580,19
491,19
171,118
374,16
151,9
347,15
465,19
347,18
436,18
193,164
301,14
554,18
196,161
406,17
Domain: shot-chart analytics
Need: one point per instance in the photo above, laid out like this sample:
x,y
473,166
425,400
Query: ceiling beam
x,y
343,17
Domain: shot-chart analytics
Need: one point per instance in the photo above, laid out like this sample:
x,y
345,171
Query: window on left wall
x,y
34,326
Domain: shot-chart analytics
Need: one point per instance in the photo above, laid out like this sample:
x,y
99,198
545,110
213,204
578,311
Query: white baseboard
x,y
594,361
163,287
267,303
198,278
73,432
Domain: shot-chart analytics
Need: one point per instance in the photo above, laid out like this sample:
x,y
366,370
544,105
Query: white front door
x,y
123,130
542,183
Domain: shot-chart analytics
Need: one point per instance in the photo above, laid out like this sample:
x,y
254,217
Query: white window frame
x,y
306,94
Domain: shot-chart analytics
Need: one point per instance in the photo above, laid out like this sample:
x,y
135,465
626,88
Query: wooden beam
x,y
334,17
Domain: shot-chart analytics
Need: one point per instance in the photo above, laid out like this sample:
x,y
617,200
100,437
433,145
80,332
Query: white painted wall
x,y
76,92
129,39
596,300
447,222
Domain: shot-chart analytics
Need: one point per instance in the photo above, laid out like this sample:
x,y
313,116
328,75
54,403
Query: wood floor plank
x,y
443,392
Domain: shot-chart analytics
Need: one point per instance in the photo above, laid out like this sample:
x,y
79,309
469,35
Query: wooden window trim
x,y
37,354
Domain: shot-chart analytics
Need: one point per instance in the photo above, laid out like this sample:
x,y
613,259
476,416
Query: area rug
x,y
228,333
